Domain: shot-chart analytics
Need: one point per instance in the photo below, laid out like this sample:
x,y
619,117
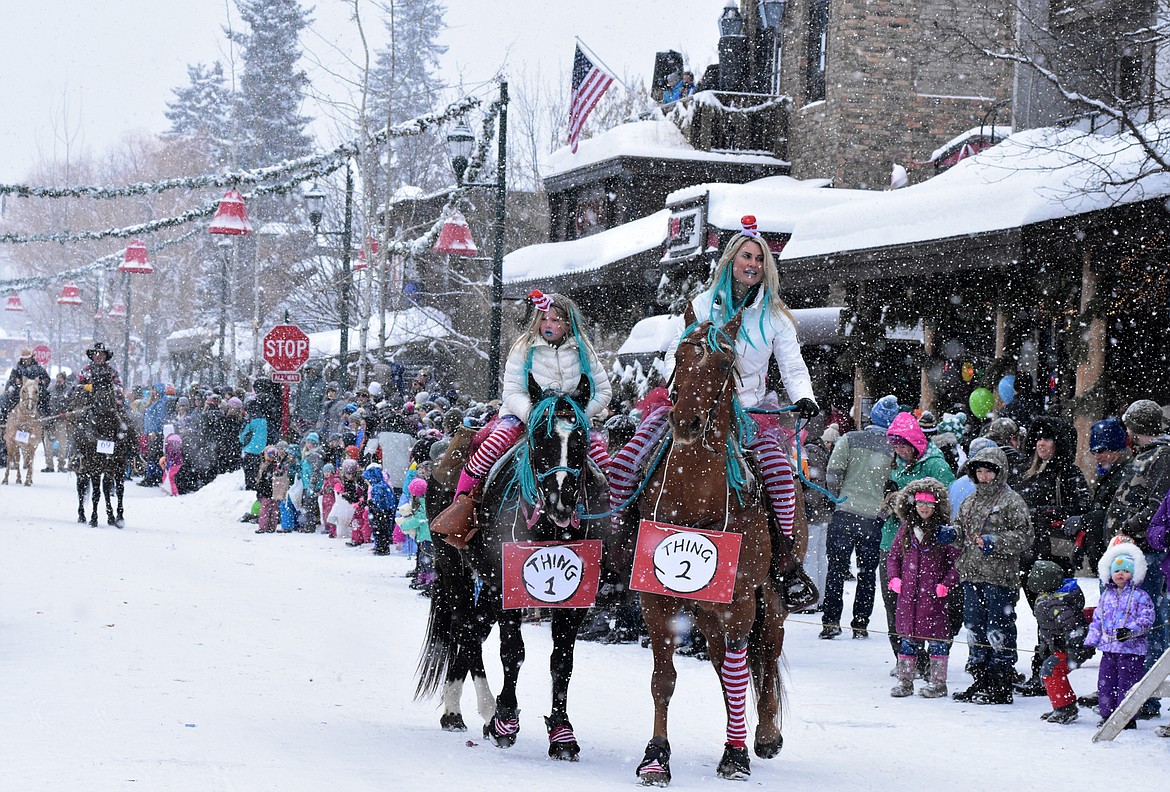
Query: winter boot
x,y
796,588
937,686
1033,685
457,523
905,669
999,687
1063,715
978,686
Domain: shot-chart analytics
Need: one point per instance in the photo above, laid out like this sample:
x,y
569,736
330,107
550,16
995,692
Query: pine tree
x,y
269,124
201,113
405,84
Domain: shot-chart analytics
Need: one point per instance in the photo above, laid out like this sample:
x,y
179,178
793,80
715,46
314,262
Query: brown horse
x,y
692,488
22,432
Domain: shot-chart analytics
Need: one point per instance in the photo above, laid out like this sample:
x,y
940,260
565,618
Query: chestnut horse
x,y
23,421
704,483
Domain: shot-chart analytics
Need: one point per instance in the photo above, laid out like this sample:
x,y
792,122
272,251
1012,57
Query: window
x,y
818,40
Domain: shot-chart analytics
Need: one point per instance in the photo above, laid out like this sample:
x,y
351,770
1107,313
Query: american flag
x,y
590,81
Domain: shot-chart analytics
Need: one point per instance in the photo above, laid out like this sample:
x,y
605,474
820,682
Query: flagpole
x,y
596,59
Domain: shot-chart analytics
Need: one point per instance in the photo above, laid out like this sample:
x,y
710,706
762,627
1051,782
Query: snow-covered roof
x,y
652,334
656,138
994,132
402,327
593,252
276,228
776,201
1033,176
407,192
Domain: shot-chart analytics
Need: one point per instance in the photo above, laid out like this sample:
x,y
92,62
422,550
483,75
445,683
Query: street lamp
x,y
147,323
225,251
315,206
460,142
134,262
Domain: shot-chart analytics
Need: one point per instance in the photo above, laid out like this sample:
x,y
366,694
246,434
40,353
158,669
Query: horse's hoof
x,y
655,767
735,764
120,523
503,729
769,750
111,521
562,743
452,722
81,519
28,483
93,521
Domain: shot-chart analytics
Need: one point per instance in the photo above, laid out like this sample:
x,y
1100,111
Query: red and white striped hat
x,y
749,226
541,300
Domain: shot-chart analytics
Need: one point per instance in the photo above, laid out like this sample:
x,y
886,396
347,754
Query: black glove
x,y
1122,633
807,408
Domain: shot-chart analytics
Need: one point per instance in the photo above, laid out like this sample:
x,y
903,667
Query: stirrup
x,y
797,590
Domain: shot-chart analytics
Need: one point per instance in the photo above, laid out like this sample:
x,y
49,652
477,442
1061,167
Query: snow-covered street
x,y
187,653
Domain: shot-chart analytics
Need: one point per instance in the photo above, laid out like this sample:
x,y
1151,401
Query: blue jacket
x,y
381,495
254,436
156,414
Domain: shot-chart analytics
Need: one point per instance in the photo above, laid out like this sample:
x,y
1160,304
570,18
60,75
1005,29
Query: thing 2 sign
x,y
679,561
286,347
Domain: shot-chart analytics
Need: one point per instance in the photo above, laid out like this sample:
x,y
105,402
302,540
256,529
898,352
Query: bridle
x,y
709,413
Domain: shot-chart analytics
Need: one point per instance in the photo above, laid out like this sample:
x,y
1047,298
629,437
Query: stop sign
x,y
42,354
286,347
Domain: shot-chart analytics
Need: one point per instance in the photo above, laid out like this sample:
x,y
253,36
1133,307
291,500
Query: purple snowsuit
x,y
1158,534
1122,662
921,614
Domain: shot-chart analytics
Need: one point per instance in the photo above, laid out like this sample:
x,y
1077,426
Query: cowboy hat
x,y
98,346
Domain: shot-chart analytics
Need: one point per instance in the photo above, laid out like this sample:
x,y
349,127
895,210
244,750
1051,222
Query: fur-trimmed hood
x,y
904,499
1122,548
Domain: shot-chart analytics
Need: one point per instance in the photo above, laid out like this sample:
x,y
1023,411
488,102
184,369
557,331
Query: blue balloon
x,y
1007,389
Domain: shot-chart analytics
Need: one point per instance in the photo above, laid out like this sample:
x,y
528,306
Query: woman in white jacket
x,y
556,352
745,278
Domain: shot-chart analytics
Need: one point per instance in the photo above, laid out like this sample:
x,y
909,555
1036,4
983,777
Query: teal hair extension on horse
x,y
545,410
743,432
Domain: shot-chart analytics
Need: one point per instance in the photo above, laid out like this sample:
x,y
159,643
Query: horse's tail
x,y
439,644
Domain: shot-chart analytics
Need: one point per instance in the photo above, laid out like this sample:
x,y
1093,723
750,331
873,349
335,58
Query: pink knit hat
x,y
417,487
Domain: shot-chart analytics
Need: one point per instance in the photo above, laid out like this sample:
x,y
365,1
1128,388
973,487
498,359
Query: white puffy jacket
x,y
751,360
555,368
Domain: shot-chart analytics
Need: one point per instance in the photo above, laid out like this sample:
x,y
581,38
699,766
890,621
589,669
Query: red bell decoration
x,y
231,218
70,294
118,311
135,260
455,237
13,303
361,262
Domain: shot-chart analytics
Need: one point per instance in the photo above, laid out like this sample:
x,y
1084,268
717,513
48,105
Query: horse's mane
x,y
543,411
743,428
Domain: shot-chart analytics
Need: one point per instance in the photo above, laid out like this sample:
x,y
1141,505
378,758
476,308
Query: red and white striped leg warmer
x,y
598,450
777,473
504,436
625,468
735,676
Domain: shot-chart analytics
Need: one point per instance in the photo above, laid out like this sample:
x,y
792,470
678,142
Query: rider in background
x,y
27,367
98,374
556,353
745,278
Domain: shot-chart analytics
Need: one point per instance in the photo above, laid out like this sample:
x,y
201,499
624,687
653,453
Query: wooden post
x,y
1089,371
1000,332
926,399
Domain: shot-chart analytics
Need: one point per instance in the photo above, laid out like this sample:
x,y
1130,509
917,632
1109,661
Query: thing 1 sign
x,y
551,574
677,561
286,348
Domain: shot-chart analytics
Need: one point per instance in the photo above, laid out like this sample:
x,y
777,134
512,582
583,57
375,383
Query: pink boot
x,y
467,484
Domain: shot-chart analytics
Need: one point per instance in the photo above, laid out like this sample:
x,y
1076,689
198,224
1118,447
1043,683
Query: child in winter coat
x,y
1061,627
1121,622
381,505
311,479
269,516
556,354
921,570
172,464
415,525
352,489
330,483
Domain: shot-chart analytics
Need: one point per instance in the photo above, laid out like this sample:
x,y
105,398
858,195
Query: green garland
x,y
304,167
104,263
